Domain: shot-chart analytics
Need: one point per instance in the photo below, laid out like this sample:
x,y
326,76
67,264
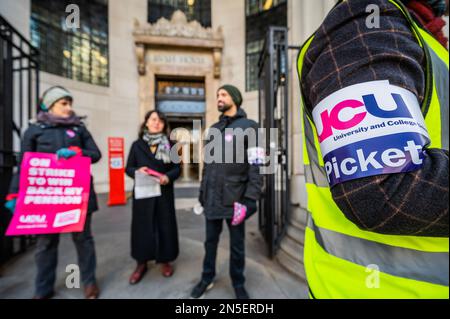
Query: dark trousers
x,y
47,258
237,251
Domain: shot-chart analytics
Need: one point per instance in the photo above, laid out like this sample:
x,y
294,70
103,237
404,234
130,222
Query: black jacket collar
x,y
145,148
240,114
225,121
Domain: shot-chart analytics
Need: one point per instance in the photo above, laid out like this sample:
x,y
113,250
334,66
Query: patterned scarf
x,y
161,140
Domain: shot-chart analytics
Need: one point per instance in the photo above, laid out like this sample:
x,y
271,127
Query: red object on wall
x,y
116,171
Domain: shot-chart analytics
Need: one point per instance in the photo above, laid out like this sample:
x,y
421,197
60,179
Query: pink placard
x,y
154,173
53,195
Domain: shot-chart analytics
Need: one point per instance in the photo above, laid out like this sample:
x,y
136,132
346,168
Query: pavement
x,y
266,278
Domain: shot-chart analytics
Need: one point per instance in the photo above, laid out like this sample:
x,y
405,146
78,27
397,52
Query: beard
x,y
223,107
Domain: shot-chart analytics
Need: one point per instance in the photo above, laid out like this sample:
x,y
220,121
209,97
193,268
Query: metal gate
x,y
273,114
19,87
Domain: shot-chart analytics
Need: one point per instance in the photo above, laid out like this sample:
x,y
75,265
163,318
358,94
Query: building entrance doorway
x,y
182,100
190,170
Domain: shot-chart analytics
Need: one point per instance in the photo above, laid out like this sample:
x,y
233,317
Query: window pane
x,y
199,10
72,53
261,14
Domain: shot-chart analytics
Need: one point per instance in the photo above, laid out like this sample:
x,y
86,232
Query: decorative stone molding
x,y
178,26
178,33
140,54
217,58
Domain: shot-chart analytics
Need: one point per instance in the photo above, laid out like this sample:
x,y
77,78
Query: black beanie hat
x,y
234,93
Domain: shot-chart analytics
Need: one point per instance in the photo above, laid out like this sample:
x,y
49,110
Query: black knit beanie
x,y
234,93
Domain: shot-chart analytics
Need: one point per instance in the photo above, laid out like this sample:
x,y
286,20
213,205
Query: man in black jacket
x,y
230,177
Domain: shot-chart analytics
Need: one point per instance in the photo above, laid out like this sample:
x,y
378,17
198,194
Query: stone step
x,y
290,264
290,255
298,216
296,233
292,248
299,226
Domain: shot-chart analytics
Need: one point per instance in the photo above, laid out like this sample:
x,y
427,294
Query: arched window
x,y
199,10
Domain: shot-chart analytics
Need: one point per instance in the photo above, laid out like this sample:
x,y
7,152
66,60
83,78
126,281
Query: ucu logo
x,y
33,219
330,120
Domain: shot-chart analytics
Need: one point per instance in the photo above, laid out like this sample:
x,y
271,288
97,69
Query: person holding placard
x,y
57,129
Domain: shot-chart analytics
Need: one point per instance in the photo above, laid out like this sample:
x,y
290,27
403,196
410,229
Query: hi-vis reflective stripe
x,y
418,265
314,172
316,175
441,84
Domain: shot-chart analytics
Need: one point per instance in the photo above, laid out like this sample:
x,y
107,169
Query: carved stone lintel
x,y
177,33
140,54
178,26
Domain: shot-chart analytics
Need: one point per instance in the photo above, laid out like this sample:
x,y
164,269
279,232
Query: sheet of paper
x,y
146,186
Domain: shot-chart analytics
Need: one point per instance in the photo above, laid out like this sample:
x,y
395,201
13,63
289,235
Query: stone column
x,y
18,14
304,17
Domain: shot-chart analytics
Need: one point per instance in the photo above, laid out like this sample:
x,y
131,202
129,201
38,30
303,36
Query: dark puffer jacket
x,y
49,138
237,181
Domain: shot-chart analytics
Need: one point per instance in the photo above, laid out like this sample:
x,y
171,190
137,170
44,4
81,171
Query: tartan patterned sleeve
x,y
345,52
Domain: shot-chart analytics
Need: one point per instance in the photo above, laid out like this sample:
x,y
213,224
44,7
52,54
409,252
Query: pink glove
x,y
240,211
76,149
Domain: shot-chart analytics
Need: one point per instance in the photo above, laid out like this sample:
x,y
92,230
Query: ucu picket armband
x,y
369,129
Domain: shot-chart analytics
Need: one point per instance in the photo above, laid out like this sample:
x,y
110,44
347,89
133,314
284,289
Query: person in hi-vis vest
x,y
374,109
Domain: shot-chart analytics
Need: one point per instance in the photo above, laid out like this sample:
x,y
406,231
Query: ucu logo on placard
x,y
330,120
33,219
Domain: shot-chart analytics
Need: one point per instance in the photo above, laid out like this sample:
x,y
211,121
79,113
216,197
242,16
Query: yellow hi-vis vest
x,y
343,261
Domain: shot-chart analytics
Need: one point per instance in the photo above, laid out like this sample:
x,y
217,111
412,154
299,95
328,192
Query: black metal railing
x,y
19,90
273,114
